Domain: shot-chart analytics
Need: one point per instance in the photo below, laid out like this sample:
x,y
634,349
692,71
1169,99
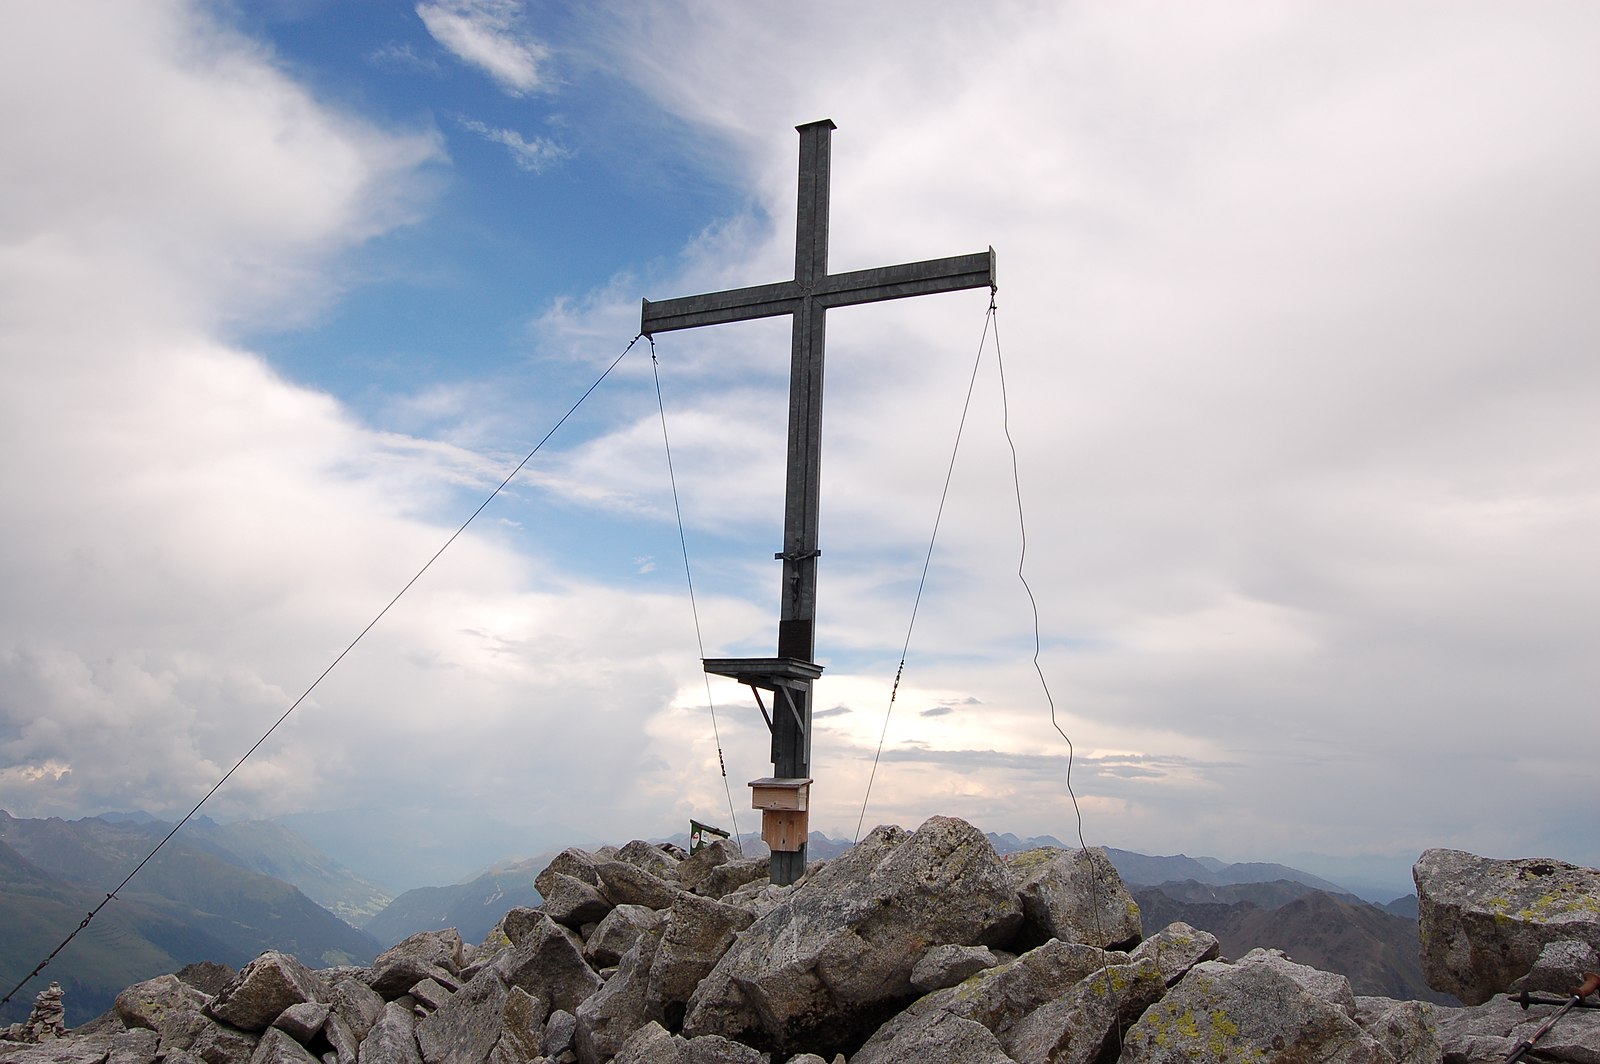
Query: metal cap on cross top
x,y
807,298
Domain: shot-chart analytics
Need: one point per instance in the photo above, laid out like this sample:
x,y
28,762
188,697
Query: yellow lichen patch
x,y
972,985
1196,1033
1033,858
1564,900
1158,1022
1112,979
1224,1033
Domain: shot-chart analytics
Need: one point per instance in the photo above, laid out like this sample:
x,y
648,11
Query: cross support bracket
x,y
786,678
767,674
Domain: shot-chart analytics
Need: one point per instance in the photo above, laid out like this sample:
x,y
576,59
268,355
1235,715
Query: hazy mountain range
x,y
271,849
225,892
473,907
195,900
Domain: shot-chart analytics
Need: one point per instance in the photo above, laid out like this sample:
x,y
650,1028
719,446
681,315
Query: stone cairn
x,y
917,946
47,1021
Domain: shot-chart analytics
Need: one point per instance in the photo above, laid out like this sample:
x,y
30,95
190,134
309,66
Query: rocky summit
x,y
922,946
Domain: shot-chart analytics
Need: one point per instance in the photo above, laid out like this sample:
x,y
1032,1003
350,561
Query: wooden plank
x,y
785,832
765,673
777,798
719,308
928,277
811,209
781,794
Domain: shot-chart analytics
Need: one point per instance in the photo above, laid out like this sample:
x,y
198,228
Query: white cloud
x,y
201,536
530,155
484,34
98,191
394,55
1292,319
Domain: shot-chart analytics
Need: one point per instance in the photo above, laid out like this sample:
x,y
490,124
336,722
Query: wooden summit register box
x,y
785,821
783,800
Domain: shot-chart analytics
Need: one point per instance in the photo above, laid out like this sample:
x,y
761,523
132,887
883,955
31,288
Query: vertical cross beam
x,y
806,298
803,489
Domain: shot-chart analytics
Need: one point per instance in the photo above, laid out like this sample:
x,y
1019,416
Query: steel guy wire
x,y
927,560
320,677
694,608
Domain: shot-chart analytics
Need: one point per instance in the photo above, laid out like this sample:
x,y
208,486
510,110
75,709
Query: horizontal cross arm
x,y
954,274
738,304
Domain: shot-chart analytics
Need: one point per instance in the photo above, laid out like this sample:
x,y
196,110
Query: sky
x,y
1295,339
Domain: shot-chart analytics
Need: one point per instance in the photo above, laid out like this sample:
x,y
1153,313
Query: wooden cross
x,y
788,677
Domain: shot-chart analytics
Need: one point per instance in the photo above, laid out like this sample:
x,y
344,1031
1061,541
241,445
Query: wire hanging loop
x,y
1095,886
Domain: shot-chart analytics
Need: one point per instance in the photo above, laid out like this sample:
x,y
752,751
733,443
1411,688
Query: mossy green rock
x,y
1248,1013
156,1004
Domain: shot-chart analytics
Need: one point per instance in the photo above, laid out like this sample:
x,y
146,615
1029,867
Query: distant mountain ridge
x,y
1138,868
128,941
400,846
1144,870
1378,951
472,908
187,904
1270,895
273,850
1008,843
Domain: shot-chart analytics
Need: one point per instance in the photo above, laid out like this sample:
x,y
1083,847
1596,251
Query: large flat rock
x,y
263,988
1484,922
834,960
1076,896
1265,1008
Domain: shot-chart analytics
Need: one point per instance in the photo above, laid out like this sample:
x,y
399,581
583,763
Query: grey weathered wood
x,y
954,274
766,673
808,296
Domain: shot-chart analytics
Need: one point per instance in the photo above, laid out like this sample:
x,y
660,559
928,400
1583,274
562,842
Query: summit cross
x,y
788,677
